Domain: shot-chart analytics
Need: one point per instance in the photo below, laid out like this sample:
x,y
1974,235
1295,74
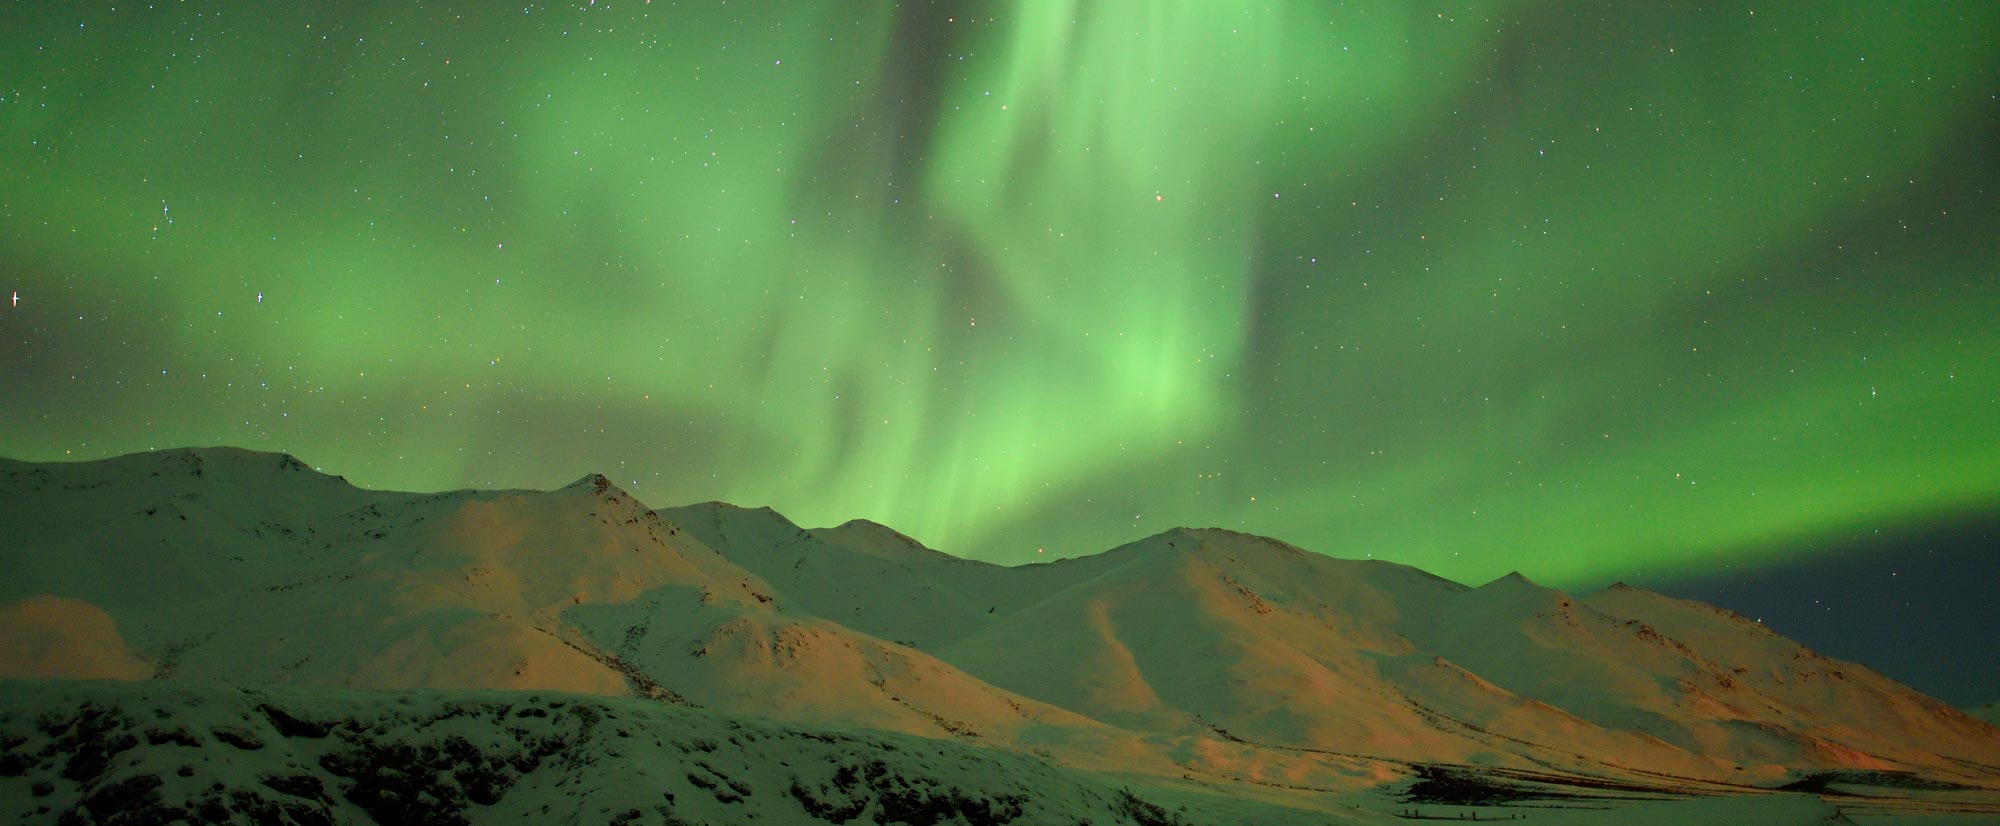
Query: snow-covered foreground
x,y
1223,677
153,752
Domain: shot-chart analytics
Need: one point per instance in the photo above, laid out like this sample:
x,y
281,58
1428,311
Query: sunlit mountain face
x,y
217,634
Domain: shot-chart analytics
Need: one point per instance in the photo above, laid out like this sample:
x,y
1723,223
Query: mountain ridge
x,y
1195,653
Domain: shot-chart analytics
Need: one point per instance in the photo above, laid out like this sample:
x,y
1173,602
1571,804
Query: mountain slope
x,y
1737,672
1195,630
1215,657
1268,644
870,577
250,568
834,573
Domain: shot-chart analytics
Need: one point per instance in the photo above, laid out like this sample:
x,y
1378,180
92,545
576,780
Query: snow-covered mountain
x,y
1195,663
249,568
1267,643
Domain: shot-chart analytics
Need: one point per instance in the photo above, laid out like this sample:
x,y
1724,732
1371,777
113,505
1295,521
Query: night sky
x,y
1653,292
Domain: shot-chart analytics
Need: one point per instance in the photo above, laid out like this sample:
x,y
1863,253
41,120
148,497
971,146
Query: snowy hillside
x,y
1260,641
1198,665
150,752
837,572
249,568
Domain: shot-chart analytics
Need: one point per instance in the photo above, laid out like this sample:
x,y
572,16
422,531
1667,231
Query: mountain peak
x,y
223,454
722,525
590,480
1184,537
871,528
720,506
597,484
230,462
1627,589
716,509
1512,579
1172,539
880,541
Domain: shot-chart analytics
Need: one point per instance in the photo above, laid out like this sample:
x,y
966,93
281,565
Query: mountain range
x,y
179,603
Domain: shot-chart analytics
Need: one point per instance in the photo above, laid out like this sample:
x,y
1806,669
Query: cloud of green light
x,y
1576,289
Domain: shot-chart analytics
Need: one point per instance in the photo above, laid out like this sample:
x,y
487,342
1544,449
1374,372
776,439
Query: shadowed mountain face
x,y
1204,654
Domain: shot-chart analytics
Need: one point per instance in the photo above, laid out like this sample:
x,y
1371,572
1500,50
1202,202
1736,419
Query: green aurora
x,y
1583,290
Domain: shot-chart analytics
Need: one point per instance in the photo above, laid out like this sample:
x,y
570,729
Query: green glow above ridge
x,y
1573,289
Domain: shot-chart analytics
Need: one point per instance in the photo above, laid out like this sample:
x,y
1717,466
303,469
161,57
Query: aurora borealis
x,y
1584,290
